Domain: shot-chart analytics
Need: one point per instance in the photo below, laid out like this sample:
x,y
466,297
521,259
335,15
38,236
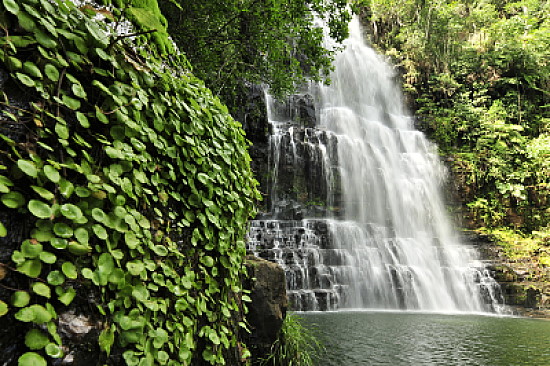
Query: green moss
x,y
146,16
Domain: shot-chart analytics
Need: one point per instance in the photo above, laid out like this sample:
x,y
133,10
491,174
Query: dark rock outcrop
x,y
524,284
253,116
292,160
305,181
269,304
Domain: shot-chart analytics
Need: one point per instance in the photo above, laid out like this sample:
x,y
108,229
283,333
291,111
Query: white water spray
x,y
385,241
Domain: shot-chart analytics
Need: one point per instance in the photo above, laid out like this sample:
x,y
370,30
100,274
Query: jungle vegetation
x,y
276,43
477,74
134,180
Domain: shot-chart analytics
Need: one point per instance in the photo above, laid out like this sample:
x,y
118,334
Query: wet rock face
x,y
295,157
304,109
253,116
525,286
269,303
81,332
304,180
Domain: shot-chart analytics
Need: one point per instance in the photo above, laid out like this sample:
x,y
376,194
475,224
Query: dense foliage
x,y
137,184
478,74
272,42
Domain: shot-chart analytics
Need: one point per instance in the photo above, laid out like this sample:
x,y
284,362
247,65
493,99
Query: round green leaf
x,y
48,257
160,250
31,267
135,267
207,260
41,289
35,339
83,119
100,232
14,63
120,212
20,299
131,240
40,209
79,91
66,188
62,130
44,39
51,72
214,337
34,313
105,264
140,292
58,243
55,278
72,103
31,359
5,183
44,193
17,257
97,33
163,357
31,69
3,308
3,231
11,6
69,270
144,223
67,297
31,249
82,235
117,276
51,173
54,351
87,273
71,211
25,79
82,192
13,199
63,230
99,215
43,233
25,315
78,249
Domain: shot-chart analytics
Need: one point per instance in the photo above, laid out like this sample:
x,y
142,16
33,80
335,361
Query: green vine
x,y
139,184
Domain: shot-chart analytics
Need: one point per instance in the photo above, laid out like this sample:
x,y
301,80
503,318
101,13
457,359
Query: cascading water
x,y
375,233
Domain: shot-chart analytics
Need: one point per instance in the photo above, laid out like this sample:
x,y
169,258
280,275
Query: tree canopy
x,y
272,42
478,74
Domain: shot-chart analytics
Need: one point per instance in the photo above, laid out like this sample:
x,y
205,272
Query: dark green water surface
x,y
394,338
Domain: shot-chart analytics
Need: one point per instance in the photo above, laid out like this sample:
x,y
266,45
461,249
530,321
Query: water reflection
x,y
385,338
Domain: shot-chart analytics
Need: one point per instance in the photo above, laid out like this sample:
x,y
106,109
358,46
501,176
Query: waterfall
x,y
356,216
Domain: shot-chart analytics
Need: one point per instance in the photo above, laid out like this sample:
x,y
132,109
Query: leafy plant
x,y
139,185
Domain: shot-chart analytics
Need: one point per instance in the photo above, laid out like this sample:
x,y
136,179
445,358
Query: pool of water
x,y
401,338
